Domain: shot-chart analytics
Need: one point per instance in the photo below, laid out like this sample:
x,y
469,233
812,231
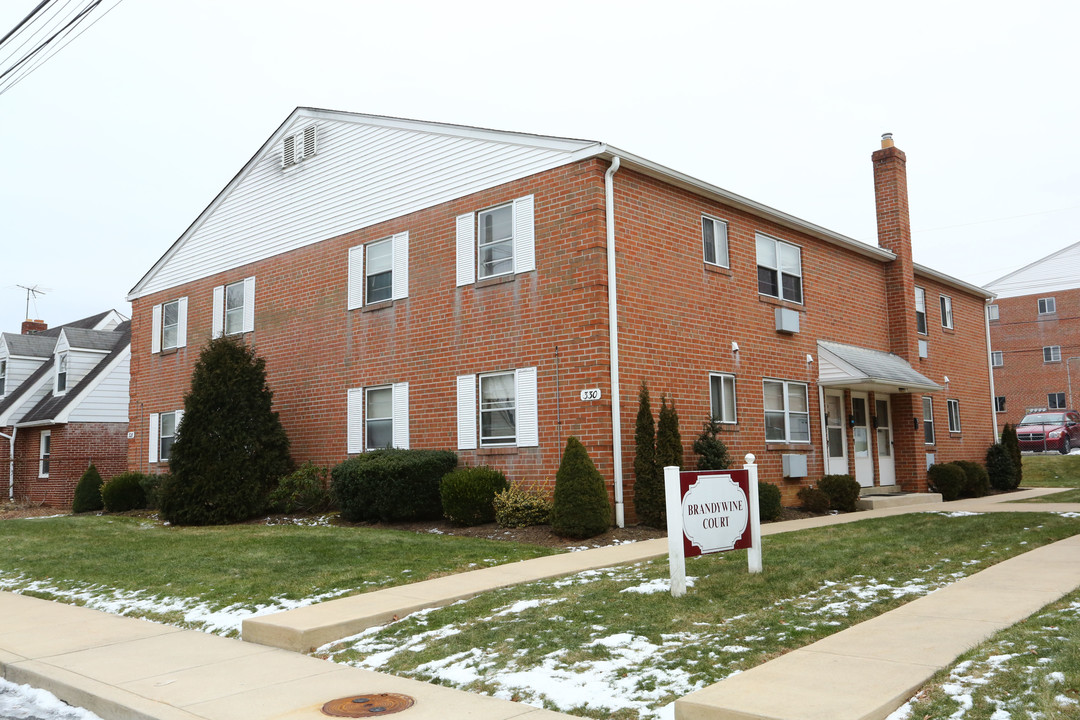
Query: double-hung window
x,y
378,417
954,415
170,325
234,308
44,453
920,310
999,403
928,420
3,377
1055,401
779,269
498,409
379,271
722,397
714,238
1051,353
496,241
163,431
61,372
993,312
1047,305
997,358
787,412
946,312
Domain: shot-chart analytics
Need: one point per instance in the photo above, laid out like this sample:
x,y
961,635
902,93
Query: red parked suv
x,y
1054,430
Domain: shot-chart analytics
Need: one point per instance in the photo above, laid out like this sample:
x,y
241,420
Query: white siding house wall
x,y
79,364
1057,271
18,370
107,401
364,173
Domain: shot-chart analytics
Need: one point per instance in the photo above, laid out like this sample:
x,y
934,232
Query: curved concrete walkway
x,y
129,669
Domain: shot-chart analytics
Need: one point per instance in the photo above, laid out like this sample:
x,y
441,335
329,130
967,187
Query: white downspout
x,y
990,367
11,462
613,341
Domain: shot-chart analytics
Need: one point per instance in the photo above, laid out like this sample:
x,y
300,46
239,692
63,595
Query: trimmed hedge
x,y
814,500
88,492
947,479
302,491
468,494
976,479
391,485
581,507
843,491
516,507
768,498
124,492
151,485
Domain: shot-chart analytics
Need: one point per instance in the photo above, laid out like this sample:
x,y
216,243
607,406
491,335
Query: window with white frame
x,y
234,308
992,312
1047,305
779,269
169,325
1055,401
953,407
928,420
379,271
787,412
714,238
999,403
163,429
1051,353
997,358
946,312
3,377
498,409
920,310
722,397
44,453
61,372
496,241
377,417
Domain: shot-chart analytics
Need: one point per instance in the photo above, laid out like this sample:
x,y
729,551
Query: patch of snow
x,y
1069,514
20,702
1065,700
656,585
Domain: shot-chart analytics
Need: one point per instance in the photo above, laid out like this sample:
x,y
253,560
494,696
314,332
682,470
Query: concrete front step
x,y
896,499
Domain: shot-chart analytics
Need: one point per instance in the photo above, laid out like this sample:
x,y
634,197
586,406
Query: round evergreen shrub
x,y
976,480
814,500
302,491
151,485
124,492
468,494
88,492
648,483
711,450
516,507
946,479
391,485
843,491
581,508
1001,468
768,496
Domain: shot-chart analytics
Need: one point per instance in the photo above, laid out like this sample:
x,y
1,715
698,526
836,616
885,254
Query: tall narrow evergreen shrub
x,y
230,448
581,508
668,440
1012,444
88,492
1000,467
711,450
648,484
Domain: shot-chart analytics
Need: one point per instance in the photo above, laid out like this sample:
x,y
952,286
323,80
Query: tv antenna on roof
x,y
33,292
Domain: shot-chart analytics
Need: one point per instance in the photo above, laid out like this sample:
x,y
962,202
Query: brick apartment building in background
x,y
426,285
63,405
1035,336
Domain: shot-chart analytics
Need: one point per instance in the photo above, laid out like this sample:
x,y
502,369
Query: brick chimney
x,y
894,235
33,326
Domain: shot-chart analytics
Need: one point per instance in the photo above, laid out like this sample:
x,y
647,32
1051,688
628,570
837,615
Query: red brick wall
x,y
73,447
1021,333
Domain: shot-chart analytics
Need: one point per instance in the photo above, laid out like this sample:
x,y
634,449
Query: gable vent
x,y
298,146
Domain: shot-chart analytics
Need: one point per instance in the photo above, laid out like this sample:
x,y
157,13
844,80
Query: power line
x,y
25,20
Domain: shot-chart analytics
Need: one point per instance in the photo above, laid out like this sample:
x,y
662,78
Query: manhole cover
x,y
374,705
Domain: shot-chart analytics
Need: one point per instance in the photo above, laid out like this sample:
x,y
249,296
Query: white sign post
x,y
711,511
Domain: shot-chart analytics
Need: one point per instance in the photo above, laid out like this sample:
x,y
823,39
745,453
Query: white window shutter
x,y
466,412
153,435
181,323
401,266
355,421
219,311
466,249
528,431
524,242
249,304
356,277
155,342
401,415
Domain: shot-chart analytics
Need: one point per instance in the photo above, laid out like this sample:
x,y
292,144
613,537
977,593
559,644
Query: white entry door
x,y
835,436
860,438
883,423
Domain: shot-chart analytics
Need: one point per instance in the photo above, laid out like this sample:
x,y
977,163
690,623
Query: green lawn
x,y
1051,471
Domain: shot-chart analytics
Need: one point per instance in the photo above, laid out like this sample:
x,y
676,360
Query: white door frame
x,y
840,464
883,433
862,460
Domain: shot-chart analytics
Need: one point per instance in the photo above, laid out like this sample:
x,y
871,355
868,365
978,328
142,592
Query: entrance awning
x,y
858,368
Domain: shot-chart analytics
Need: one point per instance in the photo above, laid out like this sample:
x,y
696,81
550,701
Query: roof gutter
x,y
613,341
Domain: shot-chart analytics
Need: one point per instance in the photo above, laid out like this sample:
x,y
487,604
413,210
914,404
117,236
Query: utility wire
x,y
25,20
42,46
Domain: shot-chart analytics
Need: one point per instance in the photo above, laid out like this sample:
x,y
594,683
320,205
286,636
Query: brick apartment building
x,y
436,286
63,405
1035,336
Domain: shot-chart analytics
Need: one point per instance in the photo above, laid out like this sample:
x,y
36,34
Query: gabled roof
x,y
859,368
28,345
1057,271
102,321
80,339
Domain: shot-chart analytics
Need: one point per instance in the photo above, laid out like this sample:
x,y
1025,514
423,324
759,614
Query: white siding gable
x,y
1057,271
106,400
367,170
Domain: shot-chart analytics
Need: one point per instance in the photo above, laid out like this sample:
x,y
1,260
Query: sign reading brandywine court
x,y
711,511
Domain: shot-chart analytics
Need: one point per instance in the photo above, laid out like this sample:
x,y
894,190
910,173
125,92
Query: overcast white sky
x,y
115,145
